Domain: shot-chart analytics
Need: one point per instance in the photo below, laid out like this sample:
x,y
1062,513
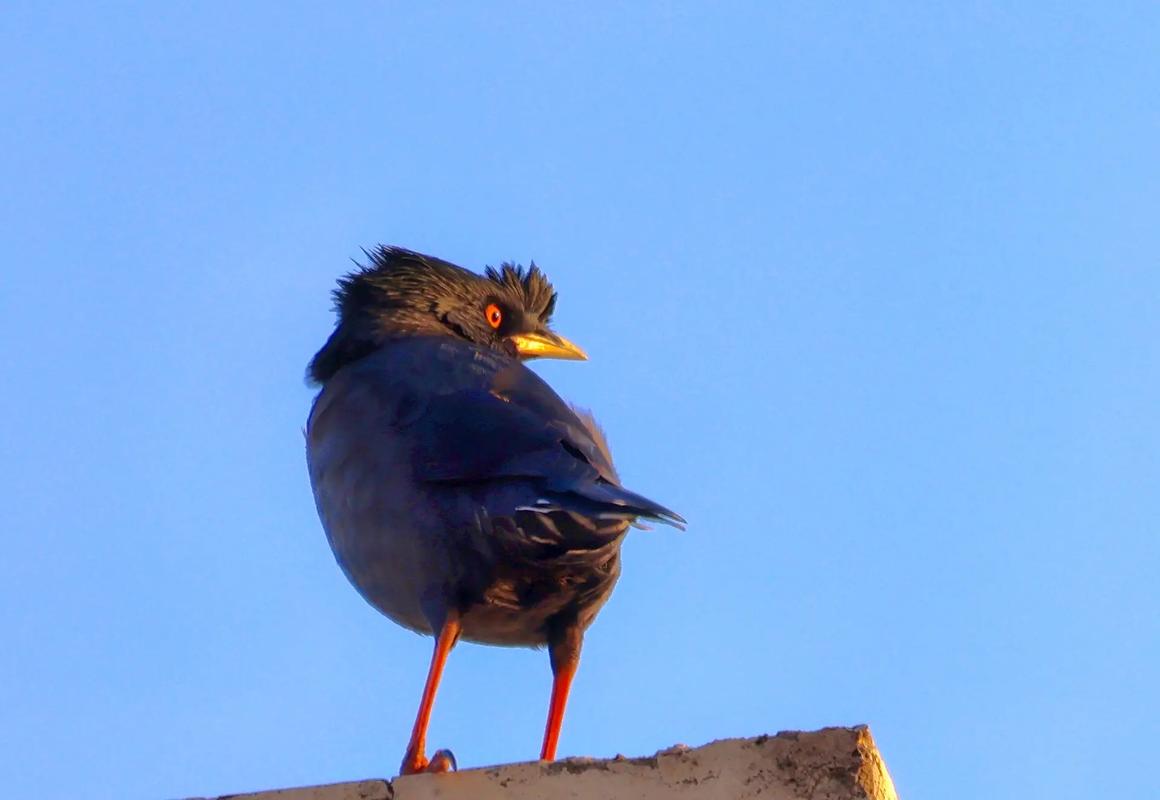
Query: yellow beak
x,y
543,344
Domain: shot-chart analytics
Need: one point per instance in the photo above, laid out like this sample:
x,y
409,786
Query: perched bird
x,y
461,496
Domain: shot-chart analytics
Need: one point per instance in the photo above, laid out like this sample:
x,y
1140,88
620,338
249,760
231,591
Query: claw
x,y
442,761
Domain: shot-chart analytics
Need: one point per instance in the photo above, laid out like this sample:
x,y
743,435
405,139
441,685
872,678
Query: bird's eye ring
x,y
494,315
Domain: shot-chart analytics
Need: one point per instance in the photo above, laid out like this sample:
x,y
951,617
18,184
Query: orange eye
x,y
494,315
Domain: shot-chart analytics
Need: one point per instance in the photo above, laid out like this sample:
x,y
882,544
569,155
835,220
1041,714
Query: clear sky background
x,y
872,297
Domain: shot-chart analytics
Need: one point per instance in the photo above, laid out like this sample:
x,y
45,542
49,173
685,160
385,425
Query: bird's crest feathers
x,y
395,272
398,271
539,298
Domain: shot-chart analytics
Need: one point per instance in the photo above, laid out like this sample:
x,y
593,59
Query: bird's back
x,y
449,474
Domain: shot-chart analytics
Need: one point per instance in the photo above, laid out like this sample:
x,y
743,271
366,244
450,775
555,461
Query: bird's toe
x,y
413,764
442,761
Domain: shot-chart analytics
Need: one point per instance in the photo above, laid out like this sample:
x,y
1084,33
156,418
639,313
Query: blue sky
x,y
870,297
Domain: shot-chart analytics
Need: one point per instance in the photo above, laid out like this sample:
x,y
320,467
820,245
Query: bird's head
x,y
402,293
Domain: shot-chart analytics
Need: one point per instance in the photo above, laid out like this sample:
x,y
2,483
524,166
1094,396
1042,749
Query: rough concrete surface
x,y
830,764
355,790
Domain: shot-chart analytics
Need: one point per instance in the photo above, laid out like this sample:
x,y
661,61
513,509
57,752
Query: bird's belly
x,y
376,532
394,566
380,557
381,564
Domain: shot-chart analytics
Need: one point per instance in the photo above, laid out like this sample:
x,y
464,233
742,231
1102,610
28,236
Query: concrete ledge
x,y
356,790
830,764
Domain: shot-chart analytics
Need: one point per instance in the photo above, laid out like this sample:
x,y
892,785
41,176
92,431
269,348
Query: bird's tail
x,y
612,501
607,501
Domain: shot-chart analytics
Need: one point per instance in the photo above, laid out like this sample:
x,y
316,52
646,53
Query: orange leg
x,y
415,760
565,654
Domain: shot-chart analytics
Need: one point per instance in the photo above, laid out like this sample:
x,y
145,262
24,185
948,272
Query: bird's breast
x,y
368,502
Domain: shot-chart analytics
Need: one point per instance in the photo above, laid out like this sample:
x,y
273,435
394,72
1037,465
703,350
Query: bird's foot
x,y
442,761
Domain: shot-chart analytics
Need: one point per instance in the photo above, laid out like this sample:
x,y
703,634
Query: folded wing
x,y
514,431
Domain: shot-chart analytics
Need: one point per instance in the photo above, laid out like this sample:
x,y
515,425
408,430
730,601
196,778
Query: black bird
x,y
461,496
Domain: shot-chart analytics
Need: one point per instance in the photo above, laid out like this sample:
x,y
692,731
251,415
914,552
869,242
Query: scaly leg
x,y
564,650
443,761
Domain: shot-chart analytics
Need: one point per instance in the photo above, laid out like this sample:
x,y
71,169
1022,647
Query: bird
x,y
460,495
